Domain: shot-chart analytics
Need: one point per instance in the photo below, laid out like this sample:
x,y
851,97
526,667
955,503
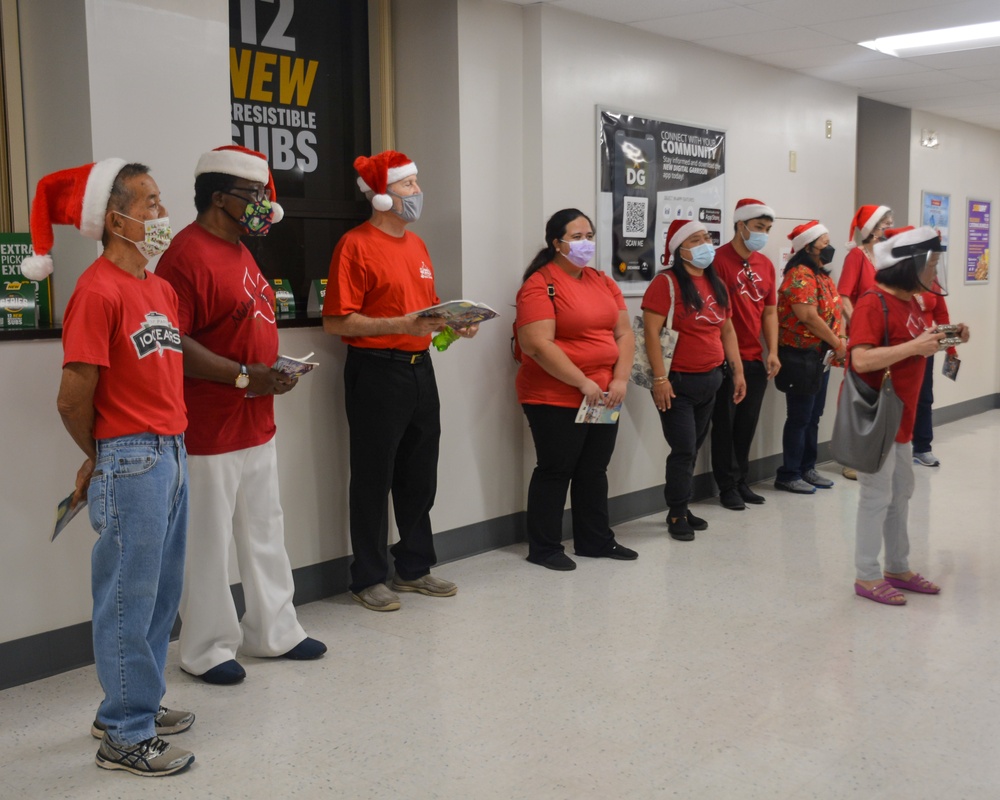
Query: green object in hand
x,y
442,339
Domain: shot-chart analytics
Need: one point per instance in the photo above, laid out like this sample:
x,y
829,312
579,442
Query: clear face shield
x,y
932,272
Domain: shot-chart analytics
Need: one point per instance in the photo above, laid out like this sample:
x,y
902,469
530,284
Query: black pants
x,y
685,425
923,423
734,426
575,457
395,419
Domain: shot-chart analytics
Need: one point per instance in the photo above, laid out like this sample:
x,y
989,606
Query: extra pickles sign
x,y
285,81
23,303
652,172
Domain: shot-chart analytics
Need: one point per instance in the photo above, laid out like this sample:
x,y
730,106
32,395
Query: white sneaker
x,y
927,459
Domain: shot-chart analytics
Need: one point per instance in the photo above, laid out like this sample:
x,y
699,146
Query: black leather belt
x,y
392,355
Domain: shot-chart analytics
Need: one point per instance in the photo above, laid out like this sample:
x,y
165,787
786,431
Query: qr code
x,y
634,216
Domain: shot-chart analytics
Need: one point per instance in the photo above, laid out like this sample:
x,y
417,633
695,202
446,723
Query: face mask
x,y
257,216
702,256
826,254
580,251
157,235
412,206
757,240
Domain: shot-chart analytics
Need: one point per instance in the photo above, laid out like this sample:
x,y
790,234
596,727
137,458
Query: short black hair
x,y
904,275
207,184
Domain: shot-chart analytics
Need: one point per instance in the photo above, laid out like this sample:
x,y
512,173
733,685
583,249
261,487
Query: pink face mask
x,y
580,251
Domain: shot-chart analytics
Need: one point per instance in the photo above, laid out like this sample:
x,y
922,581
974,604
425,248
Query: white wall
x,y
528,81
965,165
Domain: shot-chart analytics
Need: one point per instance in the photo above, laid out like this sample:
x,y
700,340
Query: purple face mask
x,y
580,251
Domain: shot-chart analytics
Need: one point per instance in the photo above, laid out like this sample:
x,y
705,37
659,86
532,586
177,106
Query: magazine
x,y
65,511
951,365
600,413
459,313
292,366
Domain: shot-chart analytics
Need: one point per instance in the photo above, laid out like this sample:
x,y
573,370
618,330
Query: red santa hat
x,y
806,233
77,196
865,220
380,171
242,162
748,209
679,230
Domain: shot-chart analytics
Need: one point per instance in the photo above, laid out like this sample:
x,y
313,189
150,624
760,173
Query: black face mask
x,y
826,254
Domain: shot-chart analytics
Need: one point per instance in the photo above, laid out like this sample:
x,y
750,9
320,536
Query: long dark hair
x,y
803,258
555,228
689,293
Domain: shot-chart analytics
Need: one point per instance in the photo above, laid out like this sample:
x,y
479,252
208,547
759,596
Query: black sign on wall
x,y
299,85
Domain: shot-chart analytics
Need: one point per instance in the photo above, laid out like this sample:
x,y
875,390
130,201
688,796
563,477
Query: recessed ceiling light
x,y
944,40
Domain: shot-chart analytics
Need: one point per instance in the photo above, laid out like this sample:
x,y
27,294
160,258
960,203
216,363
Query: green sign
x,y
23,303
284,300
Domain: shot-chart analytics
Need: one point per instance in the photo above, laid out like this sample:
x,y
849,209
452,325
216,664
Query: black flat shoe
x,y
731,499
556,561
617,551
697,523
749,495
680,529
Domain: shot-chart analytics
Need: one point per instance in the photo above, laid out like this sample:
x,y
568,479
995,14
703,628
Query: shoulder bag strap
x,y
669,324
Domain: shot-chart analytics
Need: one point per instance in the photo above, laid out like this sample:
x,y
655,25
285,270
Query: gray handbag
x,y
642,372
867,419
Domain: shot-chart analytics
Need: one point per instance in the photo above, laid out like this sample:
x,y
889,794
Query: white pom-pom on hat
x,y
378,172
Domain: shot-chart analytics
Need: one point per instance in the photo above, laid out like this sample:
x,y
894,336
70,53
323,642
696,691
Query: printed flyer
x,y
977,254
652,172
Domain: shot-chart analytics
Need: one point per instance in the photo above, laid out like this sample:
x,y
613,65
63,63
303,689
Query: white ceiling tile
x,y
752,44
966,58
848,73
913,80
913,97
816,12
819,56
638,10
712,24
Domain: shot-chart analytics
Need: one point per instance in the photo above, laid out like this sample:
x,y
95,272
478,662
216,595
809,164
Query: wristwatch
x,y
243,379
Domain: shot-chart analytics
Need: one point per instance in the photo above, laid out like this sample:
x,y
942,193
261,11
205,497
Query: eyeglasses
x,y
252,195
748,271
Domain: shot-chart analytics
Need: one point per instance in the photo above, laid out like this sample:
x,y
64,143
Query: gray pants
x,y
882,510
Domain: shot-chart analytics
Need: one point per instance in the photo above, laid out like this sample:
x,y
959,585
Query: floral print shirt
x,y
802,285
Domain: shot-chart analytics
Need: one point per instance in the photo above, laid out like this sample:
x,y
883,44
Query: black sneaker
x,y
749,495
152,758
680,529
731,499
617,551
167,723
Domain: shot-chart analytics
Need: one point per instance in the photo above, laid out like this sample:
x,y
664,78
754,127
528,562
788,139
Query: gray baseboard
x,y
52,652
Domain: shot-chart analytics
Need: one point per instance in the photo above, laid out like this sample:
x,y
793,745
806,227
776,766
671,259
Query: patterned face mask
x,y
257,216
157,235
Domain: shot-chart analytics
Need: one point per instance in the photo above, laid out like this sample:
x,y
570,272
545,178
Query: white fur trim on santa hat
x,y
36,268
683,233
233,162
96,195
752,211
808,236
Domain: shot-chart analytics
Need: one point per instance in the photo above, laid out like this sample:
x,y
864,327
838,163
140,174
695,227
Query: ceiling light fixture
x,y
944,40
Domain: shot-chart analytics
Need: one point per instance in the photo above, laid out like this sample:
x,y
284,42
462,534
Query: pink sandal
x,y
918,583
882,592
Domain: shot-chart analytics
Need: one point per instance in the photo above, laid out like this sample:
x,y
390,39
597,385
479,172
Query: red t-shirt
x,y
127,327
227,305
699,333
751,289
857,275
378,275
586,312
868,327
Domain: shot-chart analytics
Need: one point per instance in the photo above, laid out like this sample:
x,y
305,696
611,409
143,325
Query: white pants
x,y
882,511
234,496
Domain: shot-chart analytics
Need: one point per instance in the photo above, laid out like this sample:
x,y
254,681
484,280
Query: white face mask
x,y
157,235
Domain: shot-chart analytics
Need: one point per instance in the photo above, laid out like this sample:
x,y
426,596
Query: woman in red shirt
x,y
577,343
809,324
905,265
706,341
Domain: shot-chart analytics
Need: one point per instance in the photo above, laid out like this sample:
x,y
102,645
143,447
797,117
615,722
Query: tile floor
x,y
740,665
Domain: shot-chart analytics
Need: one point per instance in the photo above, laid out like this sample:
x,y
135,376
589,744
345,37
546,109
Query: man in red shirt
x,y
750,280
379,275
230,342
120,399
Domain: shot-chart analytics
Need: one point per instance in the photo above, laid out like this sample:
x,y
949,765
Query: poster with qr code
x,y
652,172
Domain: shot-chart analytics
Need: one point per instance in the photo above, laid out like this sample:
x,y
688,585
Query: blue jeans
x,y
138,499
800,438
